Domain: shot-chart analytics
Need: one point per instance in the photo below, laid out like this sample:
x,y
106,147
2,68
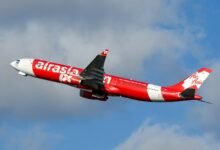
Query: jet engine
x,y
93,95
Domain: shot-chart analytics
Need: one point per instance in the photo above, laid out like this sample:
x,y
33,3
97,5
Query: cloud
x,y
207,114
69,46
167,137
96,12
33,138
140,36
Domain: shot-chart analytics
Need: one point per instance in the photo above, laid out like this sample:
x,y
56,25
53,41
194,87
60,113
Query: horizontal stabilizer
x,y
188,93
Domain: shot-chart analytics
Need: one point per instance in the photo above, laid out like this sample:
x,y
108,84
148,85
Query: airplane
x,y
95,84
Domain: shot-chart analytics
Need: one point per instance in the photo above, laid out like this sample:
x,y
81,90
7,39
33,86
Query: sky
x,y
160,42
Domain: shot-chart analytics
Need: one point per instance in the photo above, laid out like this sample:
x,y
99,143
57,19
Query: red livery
x,y
94,83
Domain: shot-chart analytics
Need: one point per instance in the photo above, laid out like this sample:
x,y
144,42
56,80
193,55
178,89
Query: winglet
x,y
104,53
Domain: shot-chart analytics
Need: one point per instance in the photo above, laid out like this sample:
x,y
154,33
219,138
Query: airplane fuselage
x,y
113,85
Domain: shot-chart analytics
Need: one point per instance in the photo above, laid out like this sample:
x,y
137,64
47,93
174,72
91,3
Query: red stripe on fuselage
x,y
129,88
51,71
170,95
113,85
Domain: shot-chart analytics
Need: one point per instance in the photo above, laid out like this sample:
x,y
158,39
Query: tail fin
x,y
194,81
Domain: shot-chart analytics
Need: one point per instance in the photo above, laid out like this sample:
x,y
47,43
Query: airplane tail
x,y
190,85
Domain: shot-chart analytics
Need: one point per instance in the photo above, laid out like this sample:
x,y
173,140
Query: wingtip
x,y
105,52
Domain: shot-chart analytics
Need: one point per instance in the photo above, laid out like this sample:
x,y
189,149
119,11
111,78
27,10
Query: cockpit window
x,y
17,61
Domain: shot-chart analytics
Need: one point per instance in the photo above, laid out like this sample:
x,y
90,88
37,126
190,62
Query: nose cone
x,y
23,65
13,64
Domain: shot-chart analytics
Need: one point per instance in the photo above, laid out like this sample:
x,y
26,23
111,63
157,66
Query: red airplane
x,y
96,85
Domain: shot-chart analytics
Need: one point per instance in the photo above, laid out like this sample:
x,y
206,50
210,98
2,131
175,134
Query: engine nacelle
x,y
93,95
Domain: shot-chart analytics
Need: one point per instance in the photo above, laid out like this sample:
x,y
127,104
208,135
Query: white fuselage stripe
x,y
155,92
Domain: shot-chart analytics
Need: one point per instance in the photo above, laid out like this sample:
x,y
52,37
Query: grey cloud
x,y
167,137
94,13
207,115
77,45
33,138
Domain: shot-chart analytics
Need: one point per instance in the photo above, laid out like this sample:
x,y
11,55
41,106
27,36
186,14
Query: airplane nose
x,y
13,64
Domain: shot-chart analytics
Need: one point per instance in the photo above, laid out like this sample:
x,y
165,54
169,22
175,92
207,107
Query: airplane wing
x,y
93,74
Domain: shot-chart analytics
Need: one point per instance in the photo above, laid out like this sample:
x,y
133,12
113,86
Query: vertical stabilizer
x,y
194,81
